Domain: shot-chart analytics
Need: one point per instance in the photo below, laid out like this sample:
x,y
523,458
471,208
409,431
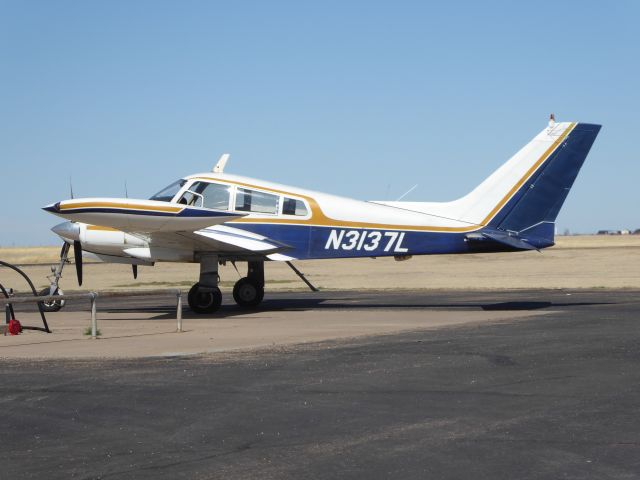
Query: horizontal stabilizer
x,y
509,240
503,238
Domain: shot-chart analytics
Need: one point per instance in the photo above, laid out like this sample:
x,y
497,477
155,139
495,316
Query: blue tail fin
x,y
532,210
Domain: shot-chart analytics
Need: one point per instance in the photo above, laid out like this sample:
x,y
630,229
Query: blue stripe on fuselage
x,y
152,213
315,242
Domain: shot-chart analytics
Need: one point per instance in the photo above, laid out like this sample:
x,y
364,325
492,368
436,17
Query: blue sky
x,y
363,99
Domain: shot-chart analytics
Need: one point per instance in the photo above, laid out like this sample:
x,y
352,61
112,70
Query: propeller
x,y
64,251
77,254
135,271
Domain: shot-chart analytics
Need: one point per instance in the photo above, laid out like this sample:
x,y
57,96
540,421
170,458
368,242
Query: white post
x,y
94,320
179,311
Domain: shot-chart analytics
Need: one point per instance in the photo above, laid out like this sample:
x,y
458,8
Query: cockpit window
x,y
190,198
292,206
167,194
207,195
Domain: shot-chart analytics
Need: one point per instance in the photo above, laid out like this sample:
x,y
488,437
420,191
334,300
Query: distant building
x,y
617,232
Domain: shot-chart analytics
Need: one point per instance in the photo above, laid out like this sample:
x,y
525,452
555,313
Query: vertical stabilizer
x,y
525,194
534,207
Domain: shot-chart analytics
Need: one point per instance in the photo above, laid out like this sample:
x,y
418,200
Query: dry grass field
x,y
575,262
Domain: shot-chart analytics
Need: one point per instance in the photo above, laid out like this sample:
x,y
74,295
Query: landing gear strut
x,y
205,296
248,292
54,279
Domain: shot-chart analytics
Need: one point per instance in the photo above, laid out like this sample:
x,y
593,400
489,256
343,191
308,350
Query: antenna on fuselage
x,y
70,187
407,192
222,161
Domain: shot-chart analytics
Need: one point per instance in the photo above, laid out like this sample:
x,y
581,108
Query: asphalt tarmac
x,y
546,396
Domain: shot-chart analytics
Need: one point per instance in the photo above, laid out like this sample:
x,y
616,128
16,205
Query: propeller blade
x,y
64,250
135,271
77,253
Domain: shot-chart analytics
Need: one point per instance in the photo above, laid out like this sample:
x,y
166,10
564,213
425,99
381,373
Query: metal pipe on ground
x,y
92,296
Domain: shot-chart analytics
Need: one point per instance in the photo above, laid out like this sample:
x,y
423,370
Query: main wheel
x,y
248,293
204,299
51,305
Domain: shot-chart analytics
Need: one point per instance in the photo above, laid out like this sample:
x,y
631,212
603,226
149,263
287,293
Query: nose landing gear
x,y
54,305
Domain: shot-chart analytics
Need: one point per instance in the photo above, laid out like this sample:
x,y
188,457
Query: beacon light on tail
x,y
213,217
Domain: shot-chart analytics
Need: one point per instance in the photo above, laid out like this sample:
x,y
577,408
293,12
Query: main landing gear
x,y
248,292
205,296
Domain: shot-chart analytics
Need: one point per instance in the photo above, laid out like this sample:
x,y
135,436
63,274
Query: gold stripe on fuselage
x,y
319,218
149,208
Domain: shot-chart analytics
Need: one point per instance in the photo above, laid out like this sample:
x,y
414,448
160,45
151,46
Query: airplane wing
x,y
220,239
233,237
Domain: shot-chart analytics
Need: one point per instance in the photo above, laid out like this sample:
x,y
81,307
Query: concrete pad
x,y
545,397
137,335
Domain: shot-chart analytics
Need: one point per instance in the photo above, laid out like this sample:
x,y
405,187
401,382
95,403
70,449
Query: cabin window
x,y
292,206
167,193
208,195
256,202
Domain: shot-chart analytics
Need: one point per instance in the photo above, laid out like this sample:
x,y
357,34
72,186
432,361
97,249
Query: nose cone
x,y
67,231
53,208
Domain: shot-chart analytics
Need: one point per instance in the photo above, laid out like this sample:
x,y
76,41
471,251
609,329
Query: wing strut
x,y
302,277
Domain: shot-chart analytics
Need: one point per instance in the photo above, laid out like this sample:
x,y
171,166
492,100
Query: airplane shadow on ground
x,y
324,303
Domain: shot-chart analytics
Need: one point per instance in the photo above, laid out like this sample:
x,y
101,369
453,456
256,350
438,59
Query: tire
x,y
53,305
248,293
204,299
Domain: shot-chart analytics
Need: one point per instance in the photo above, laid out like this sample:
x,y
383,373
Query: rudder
x,y
532,211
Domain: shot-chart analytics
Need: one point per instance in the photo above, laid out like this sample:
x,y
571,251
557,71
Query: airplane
x,y
214,217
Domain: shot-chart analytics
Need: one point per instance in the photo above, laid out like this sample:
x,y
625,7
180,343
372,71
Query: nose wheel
x,y
55,304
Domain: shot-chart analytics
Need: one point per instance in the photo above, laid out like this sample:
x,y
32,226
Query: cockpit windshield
x,y
167,194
